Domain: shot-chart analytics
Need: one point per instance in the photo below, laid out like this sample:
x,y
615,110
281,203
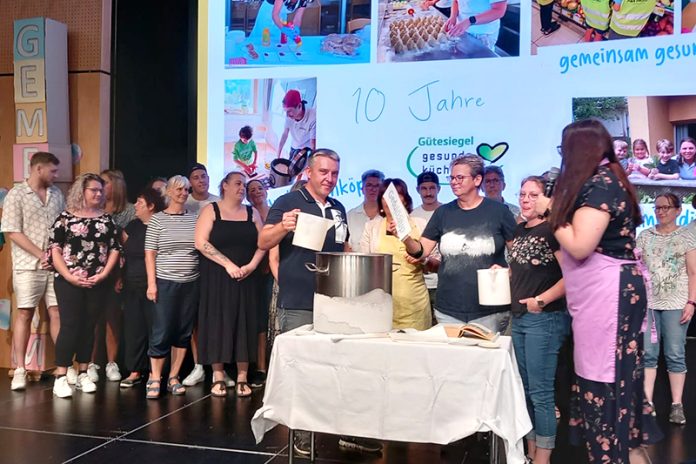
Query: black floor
x,y
121,426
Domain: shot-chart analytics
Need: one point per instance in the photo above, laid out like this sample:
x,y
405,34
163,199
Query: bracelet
x,y
418,254
691,302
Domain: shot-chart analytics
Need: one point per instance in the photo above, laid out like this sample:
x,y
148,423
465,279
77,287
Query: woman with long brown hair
x,y
594,217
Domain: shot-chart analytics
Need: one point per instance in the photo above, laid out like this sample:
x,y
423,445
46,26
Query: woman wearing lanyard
x,y
594,217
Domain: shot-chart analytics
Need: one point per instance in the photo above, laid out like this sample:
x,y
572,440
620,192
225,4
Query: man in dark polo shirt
x,y
295,283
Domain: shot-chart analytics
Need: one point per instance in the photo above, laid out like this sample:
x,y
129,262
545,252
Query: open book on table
x,y
471,330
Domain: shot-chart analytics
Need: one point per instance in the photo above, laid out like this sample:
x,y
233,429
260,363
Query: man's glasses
x,y
457,179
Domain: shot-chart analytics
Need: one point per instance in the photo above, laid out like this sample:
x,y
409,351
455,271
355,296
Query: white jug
x,y
310,231
494,286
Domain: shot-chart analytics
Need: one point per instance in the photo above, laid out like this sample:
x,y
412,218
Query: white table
x,y
401,391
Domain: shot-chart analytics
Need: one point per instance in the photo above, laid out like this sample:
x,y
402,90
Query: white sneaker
x,y
61,388
228,380
112,372
19,379
71,375
85,384
92,372
196,376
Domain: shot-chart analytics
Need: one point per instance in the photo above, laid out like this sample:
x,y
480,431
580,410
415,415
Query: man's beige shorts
x,y
31,286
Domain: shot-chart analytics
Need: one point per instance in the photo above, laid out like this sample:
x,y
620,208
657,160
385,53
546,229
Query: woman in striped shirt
x,y
171,262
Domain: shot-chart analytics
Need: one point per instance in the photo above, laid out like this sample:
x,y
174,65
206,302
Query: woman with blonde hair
x,y
171,264
122,212
84,249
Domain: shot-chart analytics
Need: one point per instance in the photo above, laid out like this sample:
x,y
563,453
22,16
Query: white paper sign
x,y
398,212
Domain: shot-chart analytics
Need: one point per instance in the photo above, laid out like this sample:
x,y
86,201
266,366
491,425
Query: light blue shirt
x,y
469,8
688,171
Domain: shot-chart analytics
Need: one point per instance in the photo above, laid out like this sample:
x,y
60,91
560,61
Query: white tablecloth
x,y
401,391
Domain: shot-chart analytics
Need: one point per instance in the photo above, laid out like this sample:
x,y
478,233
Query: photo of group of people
x,y
562,22
295,32
654,137
688,16
270,128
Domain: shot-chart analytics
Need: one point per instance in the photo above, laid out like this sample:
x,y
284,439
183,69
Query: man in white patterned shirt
x,y
29,211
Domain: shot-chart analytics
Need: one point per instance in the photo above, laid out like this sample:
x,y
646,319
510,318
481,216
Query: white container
x,y
494,286
310,231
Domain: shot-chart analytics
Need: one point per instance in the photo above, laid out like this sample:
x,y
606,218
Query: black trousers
x,y
137,323
545,15
80,309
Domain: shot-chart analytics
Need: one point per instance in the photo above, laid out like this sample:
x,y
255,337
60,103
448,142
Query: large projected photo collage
x,y
405,86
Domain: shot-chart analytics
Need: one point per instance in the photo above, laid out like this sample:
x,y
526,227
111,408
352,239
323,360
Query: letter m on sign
x,y
31,123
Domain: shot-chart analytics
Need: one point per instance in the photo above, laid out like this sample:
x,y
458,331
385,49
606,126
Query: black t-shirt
x,y
469,240
295,283
534,266
134,254
604,192
670,167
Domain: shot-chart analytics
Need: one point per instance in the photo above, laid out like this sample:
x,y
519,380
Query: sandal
x,y
151,392
241,387
175,388
221,392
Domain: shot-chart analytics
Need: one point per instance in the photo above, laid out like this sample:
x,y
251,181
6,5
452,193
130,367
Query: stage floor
x,y
121,426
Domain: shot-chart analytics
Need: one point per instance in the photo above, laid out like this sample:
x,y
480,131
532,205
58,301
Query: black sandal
x,y
240,389
222,392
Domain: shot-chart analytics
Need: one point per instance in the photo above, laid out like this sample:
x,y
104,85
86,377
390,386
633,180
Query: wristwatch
x,y
540,302
472,20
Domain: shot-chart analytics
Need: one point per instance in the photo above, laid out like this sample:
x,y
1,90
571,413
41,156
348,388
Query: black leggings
x,y
546,15
79,311
137,322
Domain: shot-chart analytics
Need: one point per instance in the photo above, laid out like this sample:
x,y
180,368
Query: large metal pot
x,y
351,274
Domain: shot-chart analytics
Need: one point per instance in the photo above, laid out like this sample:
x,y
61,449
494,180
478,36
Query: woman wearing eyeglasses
x,y
84,249
540,321
669,251
594,217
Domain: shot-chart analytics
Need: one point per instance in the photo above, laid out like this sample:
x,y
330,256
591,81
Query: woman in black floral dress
x,y
594,217
84,249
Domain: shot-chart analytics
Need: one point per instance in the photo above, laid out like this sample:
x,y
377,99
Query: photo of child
x,y
667,167
296,32
245,153
640,164
270,128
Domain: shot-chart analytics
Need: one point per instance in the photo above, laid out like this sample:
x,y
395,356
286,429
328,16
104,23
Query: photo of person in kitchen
x,y
448,29
270,128
565,22
296,32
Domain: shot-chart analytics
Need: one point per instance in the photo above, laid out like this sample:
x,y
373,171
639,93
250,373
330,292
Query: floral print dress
x,y
610,417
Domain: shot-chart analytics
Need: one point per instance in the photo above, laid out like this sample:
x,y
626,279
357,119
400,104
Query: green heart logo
x,y
492,153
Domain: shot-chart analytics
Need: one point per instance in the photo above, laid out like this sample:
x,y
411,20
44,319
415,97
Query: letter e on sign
x,y
29,81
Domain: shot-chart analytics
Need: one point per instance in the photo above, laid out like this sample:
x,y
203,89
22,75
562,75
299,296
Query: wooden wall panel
x,y
89,30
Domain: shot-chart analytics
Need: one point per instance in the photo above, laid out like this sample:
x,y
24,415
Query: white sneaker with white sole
x,y
196,376
92,372
61,388
19,379
71,375
112,372
85,384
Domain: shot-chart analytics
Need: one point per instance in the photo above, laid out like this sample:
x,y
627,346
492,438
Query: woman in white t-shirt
x,y
669,251
480,18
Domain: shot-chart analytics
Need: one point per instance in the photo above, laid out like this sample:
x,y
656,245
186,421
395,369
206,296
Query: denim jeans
x,y
537,338
673,336
173,316
498,322
293,318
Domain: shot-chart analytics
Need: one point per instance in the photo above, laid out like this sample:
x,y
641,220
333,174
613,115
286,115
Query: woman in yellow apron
x,y
409,293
